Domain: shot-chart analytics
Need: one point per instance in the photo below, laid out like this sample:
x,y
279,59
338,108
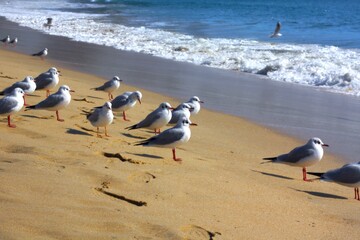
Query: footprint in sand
x,y
192,232
142,177
20,149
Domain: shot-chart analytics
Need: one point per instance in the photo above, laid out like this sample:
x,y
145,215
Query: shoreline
x,y
57,183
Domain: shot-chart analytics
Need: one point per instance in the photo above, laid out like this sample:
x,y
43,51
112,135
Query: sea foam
x,y
328,67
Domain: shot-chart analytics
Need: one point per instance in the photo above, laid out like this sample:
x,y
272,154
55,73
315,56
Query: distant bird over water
x,y
276,32
303,156
42,54
110,86
49,23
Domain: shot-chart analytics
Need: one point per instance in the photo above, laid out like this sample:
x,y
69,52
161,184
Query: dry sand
x,y
56,182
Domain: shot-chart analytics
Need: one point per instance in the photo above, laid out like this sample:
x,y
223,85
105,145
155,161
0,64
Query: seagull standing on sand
x,y
156,119
48,23
47,80
6,40
110,86
303,156
183,110
125,102
42,54
101,117
171,138
55,102
348,175
194,103
11,104
27,85
14,42
276,32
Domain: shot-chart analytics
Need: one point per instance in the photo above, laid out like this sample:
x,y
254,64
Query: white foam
x,y
328,67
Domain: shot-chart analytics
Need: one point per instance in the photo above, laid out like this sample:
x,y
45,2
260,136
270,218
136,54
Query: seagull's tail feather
x,y
318,174
2,93
132,127
142,143
30,107
270,158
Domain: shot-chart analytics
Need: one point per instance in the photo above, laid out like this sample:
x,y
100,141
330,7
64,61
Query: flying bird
x,y
276,32
110,86
42,54
348,175
125,102
27,85
55,101
11,104
171,138
156,119
303,156
101,117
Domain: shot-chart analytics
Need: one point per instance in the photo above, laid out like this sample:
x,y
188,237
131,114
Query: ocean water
x,y
320,43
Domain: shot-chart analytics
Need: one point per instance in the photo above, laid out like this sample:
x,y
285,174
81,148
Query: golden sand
x,y
57,183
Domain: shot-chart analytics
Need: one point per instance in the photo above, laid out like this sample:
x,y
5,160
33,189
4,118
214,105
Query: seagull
x,y
11,104
276,32
183,110
194,103
156,119
348,175
27,85
110,86
171,138
48,23
55,101
47,80
302,156
6,40
125,102
43,53
101,117
14,42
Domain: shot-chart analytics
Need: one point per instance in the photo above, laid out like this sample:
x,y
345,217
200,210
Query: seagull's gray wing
x,y
167,137
176,115
50,101
94,116
105,86
42,81
150,119
296,155
348,174
7,104
119,101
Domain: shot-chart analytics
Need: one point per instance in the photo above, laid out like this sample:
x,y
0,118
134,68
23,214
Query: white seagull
x,y
42,54
194,103
110,86
183,110
47,80
303,156
348,175
14,42
156,119
125,102
55,102
101,117
171,138
276,32
6,40
11,104
27,85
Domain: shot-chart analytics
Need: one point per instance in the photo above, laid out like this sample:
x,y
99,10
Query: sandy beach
x,y
59,180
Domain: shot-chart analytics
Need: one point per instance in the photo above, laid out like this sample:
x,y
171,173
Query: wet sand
x,y
59,181
299,111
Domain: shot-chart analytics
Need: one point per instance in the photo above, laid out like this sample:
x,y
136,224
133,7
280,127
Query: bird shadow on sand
x,y
320,194
77,132
132,136
145,155
37,117
273,175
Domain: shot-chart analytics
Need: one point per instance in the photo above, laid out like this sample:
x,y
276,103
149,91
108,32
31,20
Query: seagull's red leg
x,y
124,116
304,175
47,93
9,124
24,101
357,196
58,118
174,156
106,132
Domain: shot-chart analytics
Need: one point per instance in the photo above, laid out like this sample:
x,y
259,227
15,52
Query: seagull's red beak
x,y
325,145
